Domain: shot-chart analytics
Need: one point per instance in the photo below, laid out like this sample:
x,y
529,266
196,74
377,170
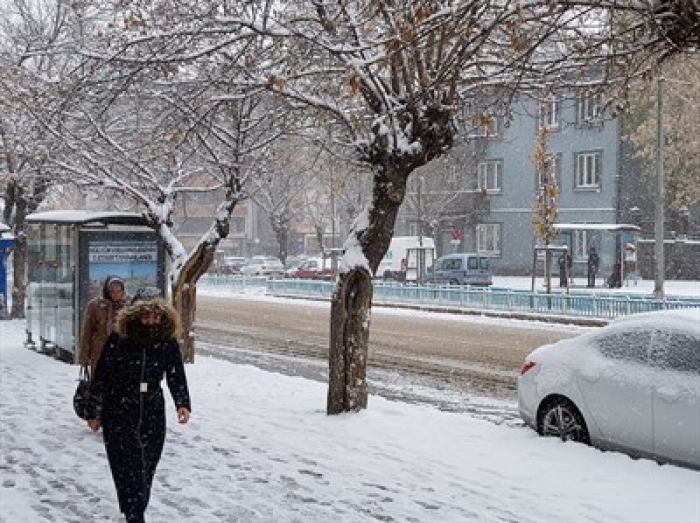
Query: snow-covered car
x,y
312,269
632,386
263,266
232,264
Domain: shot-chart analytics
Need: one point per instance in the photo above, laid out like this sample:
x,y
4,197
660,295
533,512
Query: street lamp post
x,y
659,214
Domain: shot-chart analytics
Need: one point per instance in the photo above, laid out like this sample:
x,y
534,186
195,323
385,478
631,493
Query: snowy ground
x,y
260,448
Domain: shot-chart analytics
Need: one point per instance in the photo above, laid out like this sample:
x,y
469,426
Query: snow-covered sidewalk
x,y
260,448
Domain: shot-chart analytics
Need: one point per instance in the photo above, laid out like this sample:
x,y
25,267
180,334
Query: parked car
x,y
232,264
632,386
462,268
263,266
293,262
312,269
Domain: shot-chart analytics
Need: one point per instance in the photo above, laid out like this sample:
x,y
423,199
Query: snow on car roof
x,y
689,318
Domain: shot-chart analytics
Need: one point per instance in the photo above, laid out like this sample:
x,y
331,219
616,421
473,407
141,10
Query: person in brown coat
x,y
99,321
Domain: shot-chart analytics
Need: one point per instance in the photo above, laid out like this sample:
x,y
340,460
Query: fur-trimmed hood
x,y
129,322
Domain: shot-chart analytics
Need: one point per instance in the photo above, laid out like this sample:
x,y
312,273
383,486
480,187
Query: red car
x,y
313,269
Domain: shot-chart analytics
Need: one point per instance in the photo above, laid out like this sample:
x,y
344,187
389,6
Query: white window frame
x,y
413,228
489,176
581,242
549,110
488,238
589,170
589,107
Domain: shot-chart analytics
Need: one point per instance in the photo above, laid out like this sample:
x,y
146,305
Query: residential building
x,y
585,152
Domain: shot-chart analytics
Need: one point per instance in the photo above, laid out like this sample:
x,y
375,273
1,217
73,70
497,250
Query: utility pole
x,y
332,187
659,214
420,211
332,212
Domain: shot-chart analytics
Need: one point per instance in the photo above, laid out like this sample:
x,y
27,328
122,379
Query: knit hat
x,y
114,281
147,294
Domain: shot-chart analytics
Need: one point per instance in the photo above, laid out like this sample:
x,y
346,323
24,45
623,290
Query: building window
x,y
554,167
588,170
488,238
490,176
582,242
413,229
549,113
589,107
488,126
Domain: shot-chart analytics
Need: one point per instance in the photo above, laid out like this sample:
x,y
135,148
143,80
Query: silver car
x,y
263,266
632,386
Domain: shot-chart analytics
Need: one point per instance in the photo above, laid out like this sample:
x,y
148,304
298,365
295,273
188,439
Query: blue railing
x,y
592,305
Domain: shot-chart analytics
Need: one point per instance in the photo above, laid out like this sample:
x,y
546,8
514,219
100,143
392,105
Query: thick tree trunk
x,y
350,318
15,213
184,295
282,234
352,300
19,277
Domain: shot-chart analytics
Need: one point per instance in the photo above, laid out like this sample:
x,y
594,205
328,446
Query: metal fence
x,y
592,305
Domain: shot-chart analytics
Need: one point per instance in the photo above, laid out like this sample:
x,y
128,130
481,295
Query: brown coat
x,y
99,323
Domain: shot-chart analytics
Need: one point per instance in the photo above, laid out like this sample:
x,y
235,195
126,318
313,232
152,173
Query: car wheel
x,y
560,418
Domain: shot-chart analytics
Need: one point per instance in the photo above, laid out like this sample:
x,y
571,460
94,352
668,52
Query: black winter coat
x,y
126,396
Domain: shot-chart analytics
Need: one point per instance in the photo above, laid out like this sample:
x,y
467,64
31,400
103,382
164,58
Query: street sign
x,y
457,235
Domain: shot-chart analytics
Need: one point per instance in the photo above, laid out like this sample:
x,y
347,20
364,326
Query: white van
x,y
407,258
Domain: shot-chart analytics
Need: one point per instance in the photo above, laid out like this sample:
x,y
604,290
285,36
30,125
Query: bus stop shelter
x,y
69,255
616,244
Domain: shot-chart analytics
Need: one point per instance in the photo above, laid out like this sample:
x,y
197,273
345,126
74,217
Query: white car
x,y
263,266
633,386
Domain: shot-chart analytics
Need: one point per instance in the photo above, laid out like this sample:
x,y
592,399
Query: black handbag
x,y
81,398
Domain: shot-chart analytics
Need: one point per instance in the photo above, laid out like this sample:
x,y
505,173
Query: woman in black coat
x,y
127,399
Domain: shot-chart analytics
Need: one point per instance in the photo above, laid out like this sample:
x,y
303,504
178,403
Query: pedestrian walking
x,y
127,400
593,263
99,321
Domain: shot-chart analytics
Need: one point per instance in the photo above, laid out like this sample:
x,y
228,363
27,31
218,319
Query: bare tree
x,y
681,121
394,73
27,29
152,143
281,184
444,193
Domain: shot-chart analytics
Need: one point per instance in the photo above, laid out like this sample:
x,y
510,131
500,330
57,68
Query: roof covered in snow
x,y
83,217
612,227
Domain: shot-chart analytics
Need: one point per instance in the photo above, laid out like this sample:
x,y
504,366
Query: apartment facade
x,y
585,152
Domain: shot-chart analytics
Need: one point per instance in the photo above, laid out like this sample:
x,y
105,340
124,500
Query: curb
x,y
545,318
